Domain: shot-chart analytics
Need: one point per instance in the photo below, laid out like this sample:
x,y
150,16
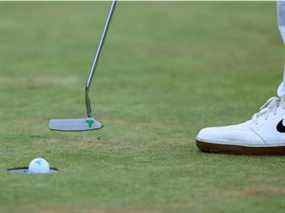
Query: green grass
x,y
168,70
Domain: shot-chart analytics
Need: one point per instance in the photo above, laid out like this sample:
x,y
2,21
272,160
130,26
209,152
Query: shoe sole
x,y
239,150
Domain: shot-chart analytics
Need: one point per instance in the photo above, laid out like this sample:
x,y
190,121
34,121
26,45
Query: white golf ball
x,y
39,166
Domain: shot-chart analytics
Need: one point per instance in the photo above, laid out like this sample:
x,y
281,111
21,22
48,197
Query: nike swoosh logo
x,y
280,127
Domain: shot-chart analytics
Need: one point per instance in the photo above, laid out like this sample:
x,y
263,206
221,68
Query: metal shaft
x,y
96,58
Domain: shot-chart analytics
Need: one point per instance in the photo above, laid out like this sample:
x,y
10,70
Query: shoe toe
x,y
208,134
228,135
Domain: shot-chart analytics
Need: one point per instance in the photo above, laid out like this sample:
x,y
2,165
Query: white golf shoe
x,y
263,134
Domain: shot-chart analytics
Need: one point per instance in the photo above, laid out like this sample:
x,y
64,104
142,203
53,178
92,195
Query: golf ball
x,y
39,166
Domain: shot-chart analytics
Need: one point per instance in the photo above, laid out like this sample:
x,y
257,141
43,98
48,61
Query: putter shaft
x,y
96,58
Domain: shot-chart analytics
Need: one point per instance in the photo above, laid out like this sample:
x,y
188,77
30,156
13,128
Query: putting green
x,y
168,69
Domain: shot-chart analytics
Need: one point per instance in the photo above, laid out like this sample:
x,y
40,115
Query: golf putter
x,y
89,123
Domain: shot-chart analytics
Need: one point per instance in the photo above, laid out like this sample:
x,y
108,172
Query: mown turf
x,y
168,69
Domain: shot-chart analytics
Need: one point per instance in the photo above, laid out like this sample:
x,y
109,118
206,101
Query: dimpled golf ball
x,y
39,166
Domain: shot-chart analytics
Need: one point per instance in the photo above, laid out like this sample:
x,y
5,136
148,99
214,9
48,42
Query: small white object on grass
x,y
39,166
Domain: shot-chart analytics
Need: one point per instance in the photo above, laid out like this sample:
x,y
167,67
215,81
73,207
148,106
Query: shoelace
x,y
271,106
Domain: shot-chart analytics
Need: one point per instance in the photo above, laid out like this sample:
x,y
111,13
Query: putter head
x,y
74,125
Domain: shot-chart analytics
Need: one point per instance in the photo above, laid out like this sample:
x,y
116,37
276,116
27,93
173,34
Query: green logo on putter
x,y
90,123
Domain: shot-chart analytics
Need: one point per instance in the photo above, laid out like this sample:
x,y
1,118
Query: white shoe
x,y
263,134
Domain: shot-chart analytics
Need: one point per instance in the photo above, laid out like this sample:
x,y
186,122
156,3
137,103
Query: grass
x,y
168,70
